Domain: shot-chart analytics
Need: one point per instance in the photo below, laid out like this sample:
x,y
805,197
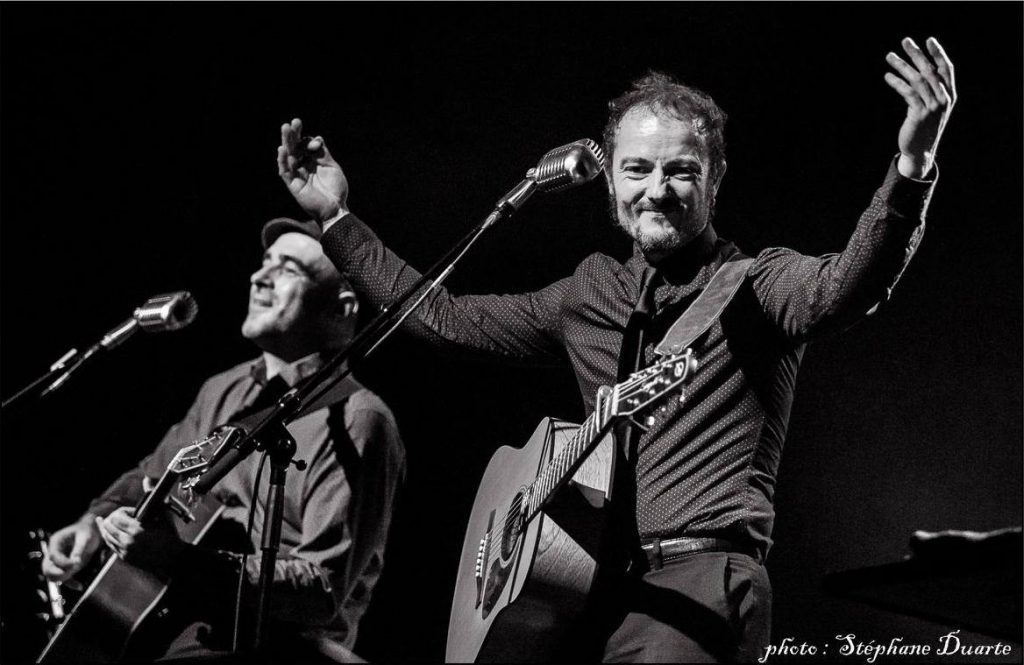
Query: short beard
x,y
663,246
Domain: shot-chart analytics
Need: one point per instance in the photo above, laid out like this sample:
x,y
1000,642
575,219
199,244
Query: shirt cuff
x,y
328,223
908,196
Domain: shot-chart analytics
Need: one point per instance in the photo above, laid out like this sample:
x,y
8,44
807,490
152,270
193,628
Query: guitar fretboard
x,y
639,391
558,471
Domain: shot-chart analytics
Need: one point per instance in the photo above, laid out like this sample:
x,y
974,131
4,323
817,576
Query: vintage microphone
x,y
562,168
168,311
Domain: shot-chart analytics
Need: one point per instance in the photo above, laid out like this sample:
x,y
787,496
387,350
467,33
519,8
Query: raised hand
x,y
928,87
311,174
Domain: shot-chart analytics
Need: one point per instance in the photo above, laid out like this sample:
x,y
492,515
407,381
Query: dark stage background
x,y
137,158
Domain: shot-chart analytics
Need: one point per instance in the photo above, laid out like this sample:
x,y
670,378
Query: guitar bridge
x,y
482,554
478,572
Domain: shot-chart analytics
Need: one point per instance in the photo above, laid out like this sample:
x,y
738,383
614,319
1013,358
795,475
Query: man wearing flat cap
x,y
336,512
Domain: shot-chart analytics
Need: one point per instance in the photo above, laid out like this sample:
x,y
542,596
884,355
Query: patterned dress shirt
x,y
706,467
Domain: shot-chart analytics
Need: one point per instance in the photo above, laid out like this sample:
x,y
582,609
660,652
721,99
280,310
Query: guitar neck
x,y
643,389
150,505
559,470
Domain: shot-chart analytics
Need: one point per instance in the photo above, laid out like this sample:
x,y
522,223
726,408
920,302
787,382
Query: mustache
x,y
668,206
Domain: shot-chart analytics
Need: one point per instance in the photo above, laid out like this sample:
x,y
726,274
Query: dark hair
x,y
660,93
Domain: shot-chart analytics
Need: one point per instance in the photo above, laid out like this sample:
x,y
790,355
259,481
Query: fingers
x,y
927,82
908,93
282,163
944,66
922,93
296,154
119,529
291,133
60,546
63,555
56,573
78,548
318,147
926,70
108,535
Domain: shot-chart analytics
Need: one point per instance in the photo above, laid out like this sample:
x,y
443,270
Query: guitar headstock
x,y
649,386
196,457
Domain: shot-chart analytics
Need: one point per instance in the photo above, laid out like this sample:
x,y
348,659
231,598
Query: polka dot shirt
x,y
706,467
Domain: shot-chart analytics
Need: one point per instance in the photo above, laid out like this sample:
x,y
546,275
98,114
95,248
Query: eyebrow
x,y
686,160
284,258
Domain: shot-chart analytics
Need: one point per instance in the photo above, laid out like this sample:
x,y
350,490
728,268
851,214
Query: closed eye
x,y
636,171
685,171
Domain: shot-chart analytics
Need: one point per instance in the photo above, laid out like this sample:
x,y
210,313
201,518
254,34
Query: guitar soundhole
x,y
513,522
499,569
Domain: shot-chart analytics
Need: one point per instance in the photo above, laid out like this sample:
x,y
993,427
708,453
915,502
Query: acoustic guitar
x,y
531,549
122,595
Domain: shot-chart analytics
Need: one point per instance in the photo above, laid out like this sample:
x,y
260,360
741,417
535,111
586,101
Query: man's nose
x,y
261,277
657,185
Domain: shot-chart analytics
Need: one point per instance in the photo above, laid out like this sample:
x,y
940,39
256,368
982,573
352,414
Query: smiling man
x,y
699,481
337,511
663,177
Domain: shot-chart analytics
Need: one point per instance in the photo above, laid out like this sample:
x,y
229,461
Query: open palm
x,y
313,177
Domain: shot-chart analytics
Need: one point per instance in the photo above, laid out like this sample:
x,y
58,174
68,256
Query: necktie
x,y
631,356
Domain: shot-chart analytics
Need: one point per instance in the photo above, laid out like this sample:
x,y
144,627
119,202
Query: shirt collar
x,y
291,373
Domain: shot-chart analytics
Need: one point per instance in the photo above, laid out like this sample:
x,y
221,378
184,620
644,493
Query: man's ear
x,y
721,177
348,304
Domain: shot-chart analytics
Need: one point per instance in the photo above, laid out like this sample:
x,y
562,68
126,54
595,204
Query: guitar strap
x,y
708,306
691,324
247,419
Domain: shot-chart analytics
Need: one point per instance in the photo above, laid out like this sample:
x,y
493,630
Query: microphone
x,y
168,311
569,165
564,167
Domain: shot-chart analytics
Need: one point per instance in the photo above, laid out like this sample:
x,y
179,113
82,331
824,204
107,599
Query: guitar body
x,y
118,600
122,595
518,591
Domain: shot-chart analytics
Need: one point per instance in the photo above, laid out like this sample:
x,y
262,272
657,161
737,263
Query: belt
x,y
662,552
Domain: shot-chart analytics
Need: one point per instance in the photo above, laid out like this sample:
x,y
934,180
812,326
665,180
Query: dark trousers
x,y
708,607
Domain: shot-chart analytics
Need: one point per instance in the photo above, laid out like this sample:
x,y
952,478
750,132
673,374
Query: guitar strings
x,y
627,389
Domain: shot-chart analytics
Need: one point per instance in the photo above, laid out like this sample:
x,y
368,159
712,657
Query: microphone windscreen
x,y
168,311
569,165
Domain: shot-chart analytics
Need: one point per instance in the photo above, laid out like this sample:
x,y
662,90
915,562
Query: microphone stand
x,y
72,360
271,435
56,368
168,311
